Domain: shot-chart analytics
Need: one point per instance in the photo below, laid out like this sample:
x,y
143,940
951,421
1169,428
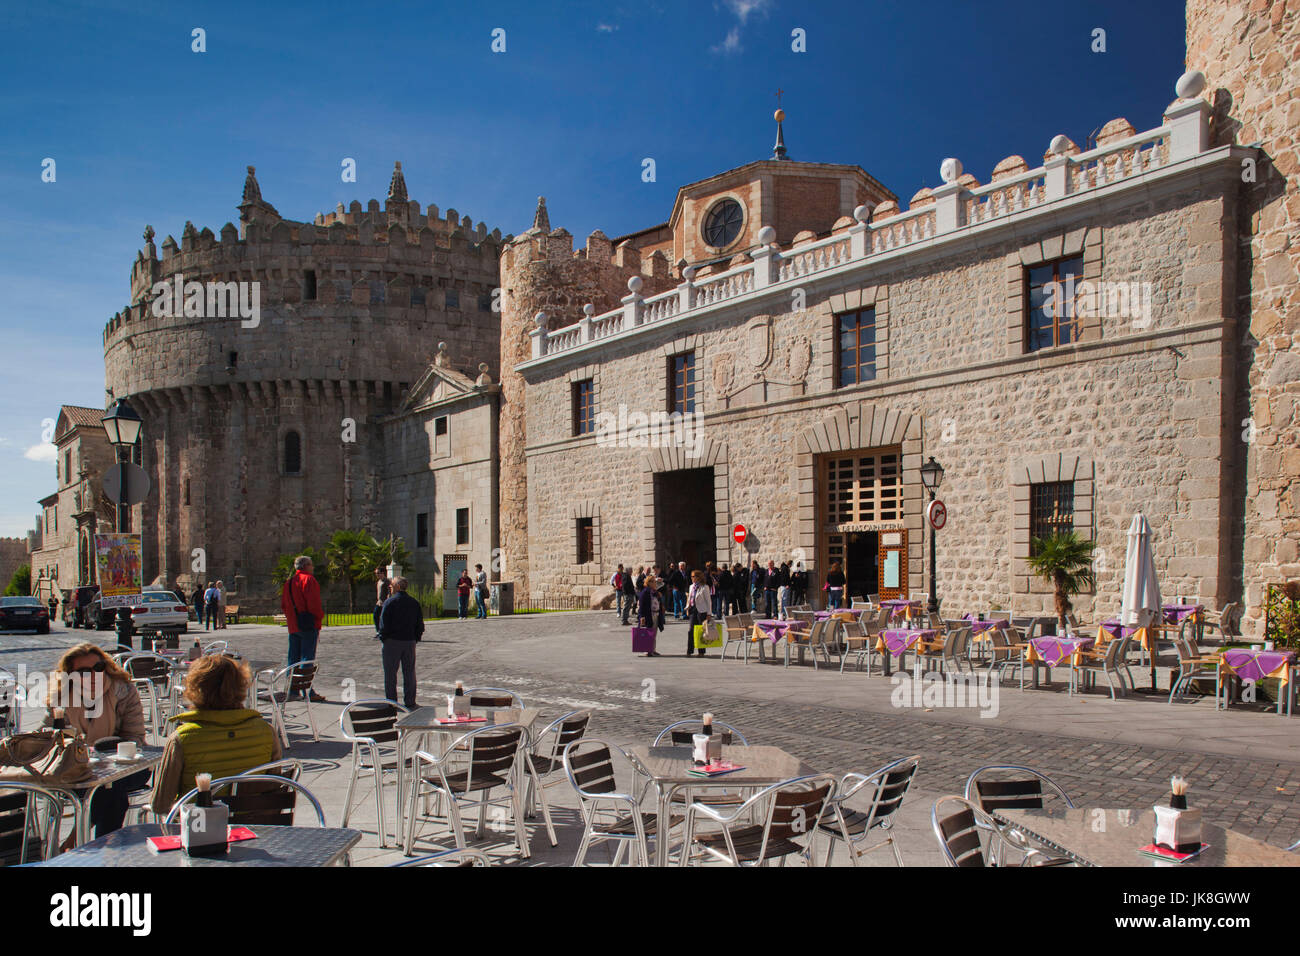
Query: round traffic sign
x,y
739,533
133,476
938,514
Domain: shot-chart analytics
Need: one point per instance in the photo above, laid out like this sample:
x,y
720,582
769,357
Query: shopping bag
x,y
706,636
643,640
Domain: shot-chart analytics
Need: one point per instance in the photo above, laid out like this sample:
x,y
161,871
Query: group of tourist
x,y
478,585
209,604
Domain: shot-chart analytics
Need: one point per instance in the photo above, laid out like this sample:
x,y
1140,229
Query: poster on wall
x,y
117,559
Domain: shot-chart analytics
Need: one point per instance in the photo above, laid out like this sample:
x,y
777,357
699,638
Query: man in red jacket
x,y
303,614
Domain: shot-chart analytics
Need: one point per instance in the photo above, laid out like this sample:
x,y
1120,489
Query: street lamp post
x,y
122,424
932,477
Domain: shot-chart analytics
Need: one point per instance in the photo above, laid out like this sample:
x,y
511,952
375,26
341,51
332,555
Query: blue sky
x,y
144,130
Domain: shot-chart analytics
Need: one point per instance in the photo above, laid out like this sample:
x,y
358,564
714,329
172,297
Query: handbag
x,y
701,638
49,755
643,640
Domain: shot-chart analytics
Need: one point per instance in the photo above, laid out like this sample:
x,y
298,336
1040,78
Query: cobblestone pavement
x,y
1090,745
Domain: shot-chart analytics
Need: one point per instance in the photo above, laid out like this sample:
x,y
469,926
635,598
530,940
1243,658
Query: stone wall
x,y
13,552
1250,54
1143,406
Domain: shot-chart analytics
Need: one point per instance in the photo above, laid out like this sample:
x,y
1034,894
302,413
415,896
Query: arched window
x,y
292,453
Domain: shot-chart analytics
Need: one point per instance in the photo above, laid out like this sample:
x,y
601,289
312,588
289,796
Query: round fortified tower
x,y
260,359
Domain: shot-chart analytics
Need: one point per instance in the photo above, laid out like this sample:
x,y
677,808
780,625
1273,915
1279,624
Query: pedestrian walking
x,y
650,611
383,591
771,577
197,600
401,625
616,582
629,595
725,592
303,613
221,605
783,590
835,587
211,597
700,602
676,581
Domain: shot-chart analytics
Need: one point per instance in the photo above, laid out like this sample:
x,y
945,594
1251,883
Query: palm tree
x,y
346,560
392,550
1065,560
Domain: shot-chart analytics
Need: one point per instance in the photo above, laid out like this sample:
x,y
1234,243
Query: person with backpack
x,y
303,613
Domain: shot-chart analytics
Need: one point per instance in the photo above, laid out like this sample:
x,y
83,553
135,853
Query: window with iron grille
x,y
586,540
681,383
584,407
856,347
1051,510
864,488
462,527
1051,306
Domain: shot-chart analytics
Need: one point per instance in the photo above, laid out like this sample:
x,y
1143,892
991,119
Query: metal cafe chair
x,y
371,726
494,698
968,837
885,789
790,811
733,632
447,858
292,684
490,765
543,759
214,647
152,676
608,813
1112,661
1192,666
257,798
1016,788
26,831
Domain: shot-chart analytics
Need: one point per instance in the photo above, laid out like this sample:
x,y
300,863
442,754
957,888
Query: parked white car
x,y
159,611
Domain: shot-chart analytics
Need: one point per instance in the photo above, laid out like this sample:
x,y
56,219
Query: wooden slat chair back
x,y
795,812
593,769
960,836
301,677
376,721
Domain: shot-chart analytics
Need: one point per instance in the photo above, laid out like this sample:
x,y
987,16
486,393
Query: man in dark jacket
x,y
629,594
676,582
401,624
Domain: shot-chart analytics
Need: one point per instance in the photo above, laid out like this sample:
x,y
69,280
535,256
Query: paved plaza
x,y
1243,764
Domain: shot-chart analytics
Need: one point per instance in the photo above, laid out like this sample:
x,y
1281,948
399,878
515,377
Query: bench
x,y
232,613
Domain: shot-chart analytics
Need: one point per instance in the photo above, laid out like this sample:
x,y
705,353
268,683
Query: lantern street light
x,y
932,478
122,424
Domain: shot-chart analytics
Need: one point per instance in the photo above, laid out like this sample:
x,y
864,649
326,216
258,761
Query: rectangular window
x,y
462,527
417,295
584,407
855,347
422,530
586,540
67,468
1051,313
376,292
681,383
485,303
440,425
187,491
1051,510
309,285
865,489
453,299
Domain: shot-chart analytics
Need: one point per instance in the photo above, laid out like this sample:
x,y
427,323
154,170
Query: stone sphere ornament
x,y
1060,143
689,273
588,310
634,284
950,170
862,213
1190,84
540,320
767,235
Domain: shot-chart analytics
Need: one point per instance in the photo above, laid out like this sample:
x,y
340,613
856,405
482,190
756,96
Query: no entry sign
x,y
739,533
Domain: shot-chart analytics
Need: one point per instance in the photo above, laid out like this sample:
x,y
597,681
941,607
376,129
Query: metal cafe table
x,y
1104,837
105,769
667,768
424,721
274,846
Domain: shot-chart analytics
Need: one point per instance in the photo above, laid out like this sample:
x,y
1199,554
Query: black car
x,y
24,613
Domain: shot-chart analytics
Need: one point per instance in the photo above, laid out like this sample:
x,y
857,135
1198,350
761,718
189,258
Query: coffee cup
x,y
127,750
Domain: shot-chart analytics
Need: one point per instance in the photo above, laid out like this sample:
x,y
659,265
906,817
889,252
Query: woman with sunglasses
x,y
99,700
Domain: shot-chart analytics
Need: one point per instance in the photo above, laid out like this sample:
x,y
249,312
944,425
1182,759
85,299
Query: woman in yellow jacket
x,y
219,735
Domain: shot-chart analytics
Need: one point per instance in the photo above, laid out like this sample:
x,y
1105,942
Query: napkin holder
x,y
1178,829
203,829
706,749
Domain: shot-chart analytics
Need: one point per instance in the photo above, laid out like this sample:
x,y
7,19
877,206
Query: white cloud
x,y
729,45
743,8
45,451
606,28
